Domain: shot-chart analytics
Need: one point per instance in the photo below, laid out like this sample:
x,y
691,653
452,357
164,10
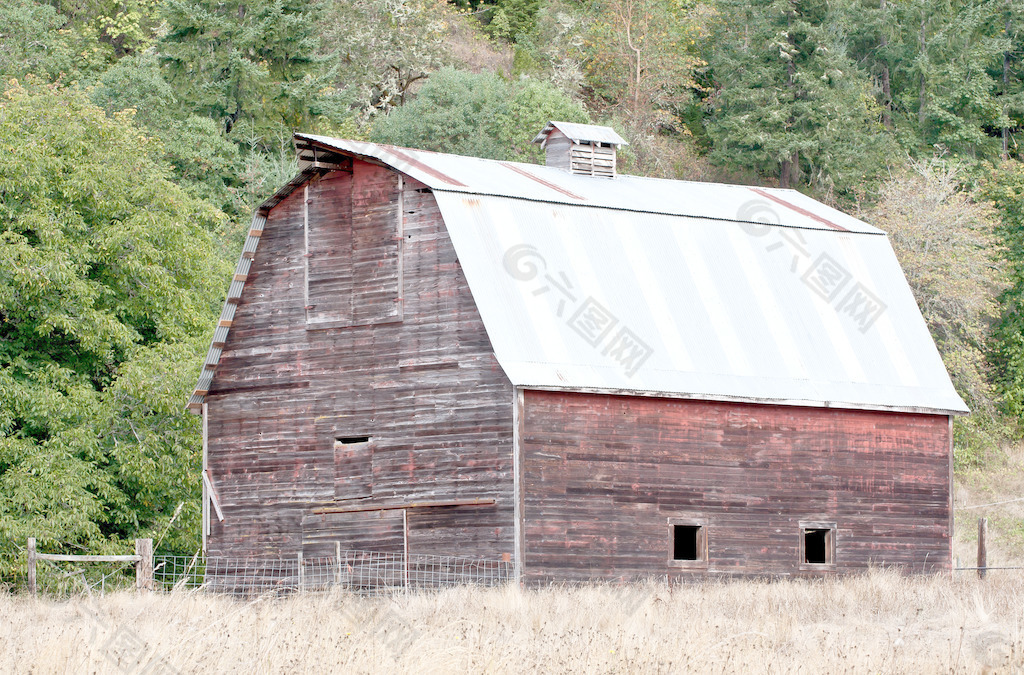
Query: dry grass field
x,y
876,623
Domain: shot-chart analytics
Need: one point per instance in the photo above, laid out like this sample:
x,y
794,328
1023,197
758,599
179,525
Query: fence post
x,y
144,567
302,572
982,547
405,548
32,565
337,556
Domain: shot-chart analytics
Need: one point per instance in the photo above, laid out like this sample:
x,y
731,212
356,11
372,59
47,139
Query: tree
x,y
958,46
202,159
946,241
254,64
384,47
641,54
109,281
32,42
479,115
789,101
1004,188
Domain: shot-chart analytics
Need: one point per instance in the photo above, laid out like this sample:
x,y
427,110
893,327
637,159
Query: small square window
x,y
817,544
687,543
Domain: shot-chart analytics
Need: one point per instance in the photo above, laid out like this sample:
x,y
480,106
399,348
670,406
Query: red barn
x,y
600,376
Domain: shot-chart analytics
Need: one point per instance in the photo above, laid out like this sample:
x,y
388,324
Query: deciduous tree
x,y
109,281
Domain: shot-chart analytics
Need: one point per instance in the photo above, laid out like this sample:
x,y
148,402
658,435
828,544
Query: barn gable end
x,y
290,395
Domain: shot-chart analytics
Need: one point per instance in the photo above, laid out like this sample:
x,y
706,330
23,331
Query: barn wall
x,y
602,475
406,362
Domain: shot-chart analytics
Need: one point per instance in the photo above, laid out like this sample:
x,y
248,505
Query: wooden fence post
x,y
982,547
32,565
144,566
405,548
302,572
337,556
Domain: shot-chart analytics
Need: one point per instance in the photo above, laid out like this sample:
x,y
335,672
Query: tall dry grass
x,y
878,622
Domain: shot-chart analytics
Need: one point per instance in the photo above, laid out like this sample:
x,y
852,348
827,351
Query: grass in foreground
x,y
878,622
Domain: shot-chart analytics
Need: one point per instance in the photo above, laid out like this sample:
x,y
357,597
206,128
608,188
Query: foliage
x,y
257,62
641,54
480,115
108,281
789,101
514,19
1004,188
202,159
945,239
32,41
384,47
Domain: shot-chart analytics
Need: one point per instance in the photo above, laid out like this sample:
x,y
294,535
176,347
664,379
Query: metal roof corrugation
x,y
227,313
720,310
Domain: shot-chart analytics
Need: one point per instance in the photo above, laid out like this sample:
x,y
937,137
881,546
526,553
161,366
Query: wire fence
x,y
354,571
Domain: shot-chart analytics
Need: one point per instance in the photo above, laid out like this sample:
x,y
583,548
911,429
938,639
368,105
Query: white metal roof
x,y
581,132
643,286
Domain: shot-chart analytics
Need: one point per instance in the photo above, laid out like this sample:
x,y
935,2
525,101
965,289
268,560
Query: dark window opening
x,y
818,546
686,542
351,440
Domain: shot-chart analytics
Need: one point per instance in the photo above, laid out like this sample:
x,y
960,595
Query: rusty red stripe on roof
x,y
801,211
523,172
425,168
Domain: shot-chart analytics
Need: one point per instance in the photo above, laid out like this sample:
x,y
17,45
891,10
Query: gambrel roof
x,y
644,286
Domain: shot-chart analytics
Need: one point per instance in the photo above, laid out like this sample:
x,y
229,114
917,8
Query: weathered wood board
x,y
388,345
602,475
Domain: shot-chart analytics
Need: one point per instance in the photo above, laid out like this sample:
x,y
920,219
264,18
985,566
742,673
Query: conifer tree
x,y
790,102
256,62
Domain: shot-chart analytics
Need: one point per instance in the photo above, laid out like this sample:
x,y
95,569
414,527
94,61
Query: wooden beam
x,y
208,481
240,277
982,547
411,505
60,557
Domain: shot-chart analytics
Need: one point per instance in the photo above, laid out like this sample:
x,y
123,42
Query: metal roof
x,y
643,286
581,132
473,175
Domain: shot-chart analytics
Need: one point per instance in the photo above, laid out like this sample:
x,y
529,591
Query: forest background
x,y
136,137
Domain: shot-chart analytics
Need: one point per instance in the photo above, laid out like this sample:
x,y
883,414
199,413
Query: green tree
x,y
201,157
950,89
252,64
477,114
1004,188
789,101
33,43
109,280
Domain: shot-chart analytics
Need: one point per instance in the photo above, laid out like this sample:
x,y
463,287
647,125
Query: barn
x,y
592,375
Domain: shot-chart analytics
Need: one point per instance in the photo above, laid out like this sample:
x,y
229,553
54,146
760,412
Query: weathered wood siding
x,y
406,363
602,475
